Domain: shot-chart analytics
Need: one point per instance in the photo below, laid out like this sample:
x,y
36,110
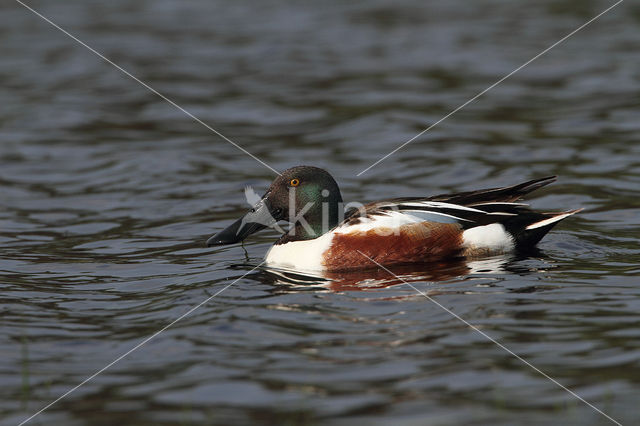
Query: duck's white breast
x,y
307,254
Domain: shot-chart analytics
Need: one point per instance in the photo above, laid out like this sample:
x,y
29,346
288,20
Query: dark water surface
x,y
108,194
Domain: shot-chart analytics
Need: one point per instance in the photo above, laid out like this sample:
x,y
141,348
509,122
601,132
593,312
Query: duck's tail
x,y
528,236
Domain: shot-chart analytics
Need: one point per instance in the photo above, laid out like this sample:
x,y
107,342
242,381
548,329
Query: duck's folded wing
x,y
396,212
481,224
504,194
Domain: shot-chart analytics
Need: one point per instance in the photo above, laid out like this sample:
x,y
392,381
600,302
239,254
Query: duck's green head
x,y
308,197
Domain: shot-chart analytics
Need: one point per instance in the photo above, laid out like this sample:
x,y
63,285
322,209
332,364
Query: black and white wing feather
x,y
469,210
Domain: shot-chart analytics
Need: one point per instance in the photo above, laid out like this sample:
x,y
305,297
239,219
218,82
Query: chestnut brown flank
x,y
412,243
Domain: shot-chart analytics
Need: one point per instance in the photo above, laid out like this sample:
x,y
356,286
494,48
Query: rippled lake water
x,y
108,194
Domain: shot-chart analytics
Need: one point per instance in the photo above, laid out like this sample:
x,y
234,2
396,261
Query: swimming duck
x,y
326,236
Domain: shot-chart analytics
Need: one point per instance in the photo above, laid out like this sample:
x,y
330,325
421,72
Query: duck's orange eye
x,y
294,182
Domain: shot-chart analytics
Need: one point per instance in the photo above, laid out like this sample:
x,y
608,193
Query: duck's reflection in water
x,y
377,278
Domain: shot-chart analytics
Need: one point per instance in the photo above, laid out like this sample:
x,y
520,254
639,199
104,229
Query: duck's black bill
x,y
253,221
234,233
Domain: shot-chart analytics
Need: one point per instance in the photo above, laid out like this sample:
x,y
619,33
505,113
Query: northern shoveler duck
x,y
323,237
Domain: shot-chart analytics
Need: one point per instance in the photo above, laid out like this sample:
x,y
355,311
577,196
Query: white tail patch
x,y
549,221
492,239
